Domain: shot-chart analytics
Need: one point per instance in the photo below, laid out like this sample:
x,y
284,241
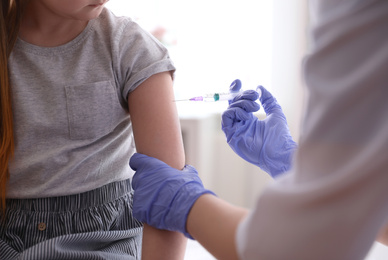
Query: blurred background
x,y
212,43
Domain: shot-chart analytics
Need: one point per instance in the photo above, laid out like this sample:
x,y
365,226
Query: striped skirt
x,y
93,225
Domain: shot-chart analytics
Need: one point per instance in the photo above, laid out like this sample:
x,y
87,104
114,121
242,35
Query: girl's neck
x,y
46,29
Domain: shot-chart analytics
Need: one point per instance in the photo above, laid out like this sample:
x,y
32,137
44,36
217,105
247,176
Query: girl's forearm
x,y
162,244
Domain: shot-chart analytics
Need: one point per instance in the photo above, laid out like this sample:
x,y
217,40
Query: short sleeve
x,y
139,56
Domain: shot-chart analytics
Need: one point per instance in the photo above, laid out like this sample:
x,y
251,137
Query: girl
x,y
79,88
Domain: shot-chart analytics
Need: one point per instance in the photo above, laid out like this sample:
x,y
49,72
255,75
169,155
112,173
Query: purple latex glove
x,y
163,195
265,143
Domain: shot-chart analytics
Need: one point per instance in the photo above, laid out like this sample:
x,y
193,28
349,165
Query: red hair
x,y
10,19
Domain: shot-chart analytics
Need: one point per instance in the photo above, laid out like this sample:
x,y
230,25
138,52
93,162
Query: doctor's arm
x,y
213,223
157,133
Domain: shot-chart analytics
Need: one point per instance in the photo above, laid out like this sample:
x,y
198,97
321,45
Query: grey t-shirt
x,y
72,126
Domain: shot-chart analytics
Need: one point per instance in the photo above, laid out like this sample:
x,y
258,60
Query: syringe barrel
x,y
225,96
220,96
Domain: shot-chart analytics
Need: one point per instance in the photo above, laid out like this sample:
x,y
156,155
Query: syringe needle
x,y
191,99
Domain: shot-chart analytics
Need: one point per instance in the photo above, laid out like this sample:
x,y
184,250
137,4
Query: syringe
x,y
217,96
213,97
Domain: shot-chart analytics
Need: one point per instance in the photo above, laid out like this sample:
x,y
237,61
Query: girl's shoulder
x,y
113,24
123,31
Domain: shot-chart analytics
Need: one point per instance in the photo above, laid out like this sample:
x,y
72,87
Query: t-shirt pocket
x,y
89,109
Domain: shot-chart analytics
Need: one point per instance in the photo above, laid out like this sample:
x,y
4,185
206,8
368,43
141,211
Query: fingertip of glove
x,y
132,161
135,159
259,91
264,93
235,86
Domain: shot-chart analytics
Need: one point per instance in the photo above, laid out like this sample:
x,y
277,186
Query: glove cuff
x,y
279,167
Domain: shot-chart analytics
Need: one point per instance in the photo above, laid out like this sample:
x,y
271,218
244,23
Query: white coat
x,y
334,201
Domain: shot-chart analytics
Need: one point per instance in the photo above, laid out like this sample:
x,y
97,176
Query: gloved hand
x,y
265,143
163,195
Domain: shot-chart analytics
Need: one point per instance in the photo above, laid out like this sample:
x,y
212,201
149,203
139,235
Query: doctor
x,y
332,202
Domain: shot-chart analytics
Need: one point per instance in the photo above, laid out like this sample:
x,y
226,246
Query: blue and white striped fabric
x,y
92,225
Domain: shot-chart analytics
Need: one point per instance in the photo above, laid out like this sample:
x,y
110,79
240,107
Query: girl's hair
x,y
10,19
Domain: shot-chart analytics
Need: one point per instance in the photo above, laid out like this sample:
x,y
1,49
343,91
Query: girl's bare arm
x,y
157,133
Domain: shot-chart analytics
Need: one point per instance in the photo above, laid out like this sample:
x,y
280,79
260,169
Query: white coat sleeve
x,y
335,199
